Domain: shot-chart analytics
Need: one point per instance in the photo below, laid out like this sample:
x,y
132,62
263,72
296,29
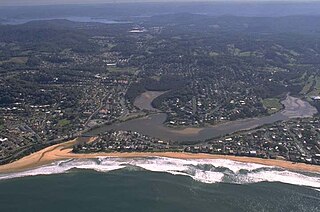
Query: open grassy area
x,y
311,87
122,70
308,85
63,122
156,78
273,105
245,54
213,54
16,60
111,45
315,89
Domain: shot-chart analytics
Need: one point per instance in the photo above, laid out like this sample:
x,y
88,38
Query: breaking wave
x,y
203,170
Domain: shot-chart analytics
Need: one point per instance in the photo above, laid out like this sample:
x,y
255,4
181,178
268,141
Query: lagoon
x,y
152,125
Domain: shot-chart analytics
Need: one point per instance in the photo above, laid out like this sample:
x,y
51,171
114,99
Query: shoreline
x,y
63,151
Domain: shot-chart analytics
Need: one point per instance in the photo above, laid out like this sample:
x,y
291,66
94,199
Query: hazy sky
x,y
48,2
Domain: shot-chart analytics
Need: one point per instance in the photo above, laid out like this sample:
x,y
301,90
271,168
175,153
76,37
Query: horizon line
x,y
115,2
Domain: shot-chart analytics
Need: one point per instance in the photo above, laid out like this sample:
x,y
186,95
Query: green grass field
x,y
122,70
308,85
273,105
316,88
63,122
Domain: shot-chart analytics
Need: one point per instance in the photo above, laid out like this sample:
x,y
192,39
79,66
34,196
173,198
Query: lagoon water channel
x,y
152,125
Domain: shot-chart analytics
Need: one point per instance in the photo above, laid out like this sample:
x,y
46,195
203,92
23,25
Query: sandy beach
x,y
63,151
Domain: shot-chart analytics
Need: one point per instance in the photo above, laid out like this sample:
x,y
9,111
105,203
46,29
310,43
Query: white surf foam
x,y
64,166
203,170
208,176
284,177
45,170
234,166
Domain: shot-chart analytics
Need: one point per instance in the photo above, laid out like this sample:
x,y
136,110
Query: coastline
x,y
64,151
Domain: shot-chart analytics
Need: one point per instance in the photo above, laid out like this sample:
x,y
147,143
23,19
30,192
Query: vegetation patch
x,y
245,54
273,105
122,70
308,85
16,60
213,54
315,88
19,60
63,122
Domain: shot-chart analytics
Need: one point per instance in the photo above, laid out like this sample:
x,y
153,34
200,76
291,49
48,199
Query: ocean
x,y
158,184
17,21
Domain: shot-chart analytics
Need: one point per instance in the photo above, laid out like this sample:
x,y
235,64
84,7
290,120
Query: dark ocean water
x,y
140,190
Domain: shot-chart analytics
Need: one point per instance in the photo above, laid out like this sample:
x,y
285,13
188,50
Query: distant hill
x,y
126,10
